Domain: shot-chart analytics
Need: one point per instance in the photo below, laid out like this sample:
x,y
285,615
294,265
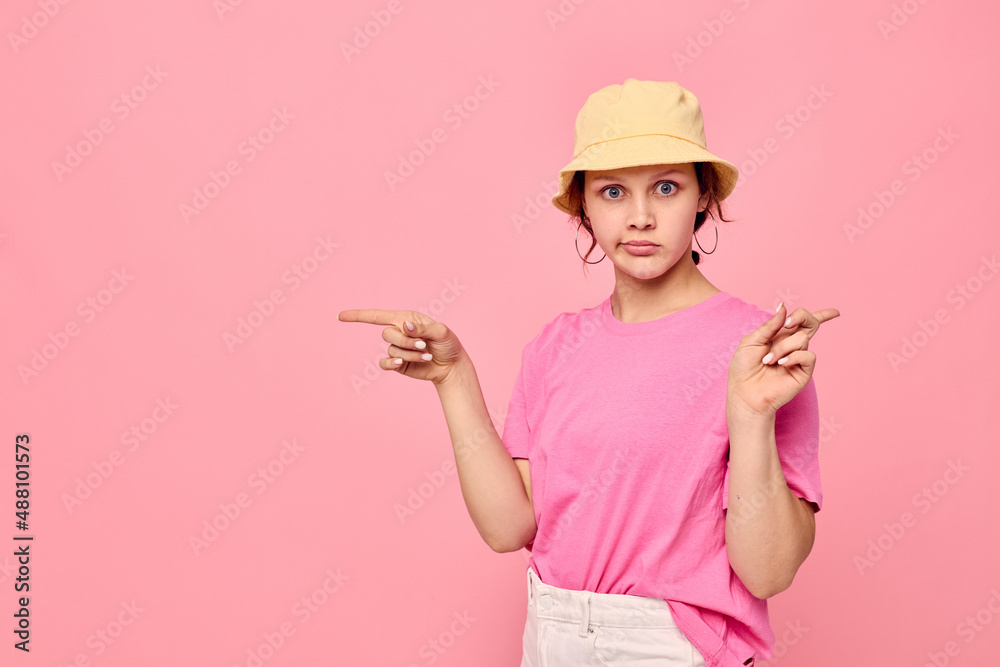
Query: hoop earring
x,y
577,244
716,226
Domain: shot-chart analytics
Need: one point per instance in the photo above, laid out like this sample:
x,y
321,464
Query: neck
x,y
638,300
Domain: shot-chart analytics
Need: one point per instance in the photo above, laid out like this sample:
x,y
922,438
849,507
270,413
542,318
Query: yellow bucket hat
x,y
640,123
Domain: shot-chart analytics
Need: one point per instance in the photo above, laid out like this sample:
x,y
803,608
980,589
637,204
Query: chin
x,y
647,272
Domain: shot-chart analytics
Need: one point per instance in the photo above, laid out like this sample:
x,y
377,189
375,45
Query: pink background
x,y
460,240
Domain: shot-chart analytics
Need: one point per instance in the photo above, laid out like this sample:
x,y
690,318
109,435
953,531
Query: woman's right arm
x,y
495,489
492,485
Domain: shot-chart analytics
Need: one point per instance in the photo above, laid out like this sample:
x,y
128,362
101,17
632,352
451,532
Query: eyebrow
x,y
616,177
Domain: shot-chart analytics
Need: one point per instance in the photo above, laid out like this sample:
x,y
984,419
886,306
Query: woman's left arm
x,y
769,529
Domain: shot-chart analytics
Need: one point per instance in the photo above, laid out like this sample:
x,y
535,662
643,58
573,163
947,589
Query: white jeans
x,y
582,629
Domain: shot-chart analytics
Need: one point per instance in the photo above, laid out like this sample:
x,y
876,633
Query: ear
x,y
703,202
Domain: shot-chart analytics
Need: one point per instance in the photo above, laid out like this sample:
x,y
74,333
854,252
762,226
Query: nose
x,y
641,216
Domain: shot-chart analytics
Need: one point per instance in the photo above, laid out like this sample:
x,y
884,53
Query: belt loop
x,y
530,587
585,620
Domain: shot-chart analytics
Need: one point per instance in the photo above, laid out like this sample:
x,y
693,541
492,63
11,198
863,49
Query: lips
x,y
640,248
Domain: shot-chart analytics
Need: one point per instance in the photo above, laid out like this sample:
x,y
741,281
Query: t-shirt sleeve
x,y
796,434
516,434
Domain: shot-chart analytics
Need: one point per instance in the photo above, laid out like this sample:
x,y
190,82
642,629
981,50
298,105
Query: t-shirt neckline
x,y
616,326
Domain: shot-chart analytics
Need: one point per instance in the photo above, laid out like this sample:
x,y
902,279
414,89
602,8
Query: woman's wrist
x,y
459,373
738,412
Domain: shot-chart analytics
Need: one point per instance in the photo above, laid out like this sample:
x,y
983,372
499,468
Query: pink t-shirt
x,y
624,425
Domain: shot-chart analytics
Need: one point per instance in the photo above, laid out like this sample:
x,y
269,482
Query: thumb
x,y
762,334
418,325
415,323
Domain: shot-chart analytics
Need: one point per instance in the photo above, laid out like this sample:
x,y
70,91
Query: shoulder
x,y
739,317
564,326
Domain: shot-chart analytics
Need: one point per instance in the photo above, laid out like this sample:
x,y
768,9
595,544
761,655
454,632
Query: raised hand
x,y
427,351
773,362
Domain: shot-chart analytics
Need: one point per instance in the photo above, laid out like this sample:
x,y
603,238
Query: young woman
x,y
660,455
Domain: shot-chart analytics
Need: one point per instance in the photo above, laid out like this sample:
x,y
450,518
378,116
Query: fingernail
x,y
420,345
409,325
767,357
780,304
397,361
782,360
426,356
788,320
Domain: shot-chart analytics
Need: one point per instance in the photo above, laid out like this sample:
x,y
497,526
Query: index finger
x,y
811,321
370,315
826,314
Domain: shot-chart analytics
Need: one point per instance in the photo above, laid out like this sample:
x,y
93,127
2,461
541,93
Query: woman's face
x,y
655,204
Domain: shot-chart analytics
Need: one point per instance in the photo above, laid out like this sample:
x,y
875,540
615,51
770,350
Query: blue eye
x,y
616,189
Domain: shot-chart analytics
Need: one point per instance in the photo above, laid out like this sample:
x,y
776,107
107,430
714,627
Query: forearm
x,y
491,485
769,531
